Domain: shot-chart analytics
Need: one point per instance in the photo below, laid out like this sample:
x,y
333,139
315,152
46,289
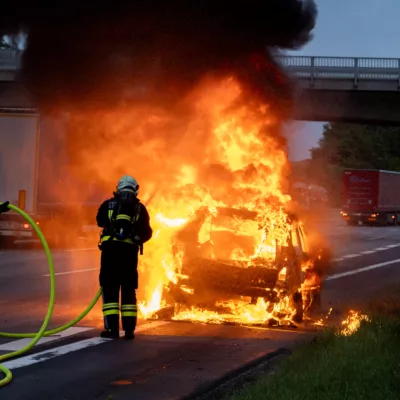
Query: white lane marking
x,y
49,354
389,246
69,348
76,271
21,343
359,270
83,249
351,256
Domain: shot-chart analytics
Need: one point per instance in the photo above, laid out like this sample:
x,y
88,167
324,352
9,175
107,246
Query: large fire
x,y
214,168
227,157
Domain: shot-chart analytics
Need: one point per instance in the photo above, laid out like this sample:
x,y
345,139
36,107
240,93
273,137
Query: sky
x,y
346,28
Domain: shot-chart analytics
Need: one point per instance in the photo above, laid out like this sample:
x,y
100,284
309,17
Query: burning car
x,y
226,256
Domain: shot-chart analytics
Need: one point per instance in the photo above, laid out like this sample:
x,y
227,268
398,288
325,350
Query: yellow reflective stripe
x,y
128,308
123,216
105,238
110,305
128,314
110,312
110,309
125,240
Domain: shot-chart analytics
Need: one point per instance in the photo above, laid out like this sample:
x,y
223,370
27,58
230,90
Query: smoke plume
x,y
128,72
88,54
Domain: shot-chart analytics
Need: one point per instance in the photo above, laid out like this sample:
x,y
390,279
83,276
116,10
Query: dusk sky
x,y
347,28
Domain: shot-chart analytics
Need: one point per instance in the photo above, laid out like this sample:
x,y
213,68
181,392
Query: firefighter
x,y
126,226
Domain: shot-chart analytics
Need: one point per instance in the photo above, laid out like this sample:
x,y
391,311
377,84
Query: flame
x,y
323,320
353,322
242,166
171,222
238,312
217,150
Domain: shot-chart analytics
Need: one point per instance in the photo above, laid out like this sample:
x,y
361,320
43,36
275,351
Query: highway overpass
x,y
364,90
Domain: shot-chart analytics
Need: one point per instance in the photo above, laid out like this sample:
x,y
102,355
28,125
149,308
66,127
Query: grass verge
x,y
364,365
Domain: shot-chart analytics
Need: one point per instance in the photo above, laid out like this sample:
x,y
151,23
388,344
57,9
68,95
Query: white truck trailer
x,y
35,176
19,147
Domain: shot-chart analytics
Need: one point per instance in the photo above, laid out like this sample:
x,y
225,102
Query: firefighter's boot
x,y
110,334
129,335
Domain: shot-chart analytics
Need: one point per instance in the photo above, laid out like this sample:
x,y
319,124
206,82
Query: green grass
x,y
365,365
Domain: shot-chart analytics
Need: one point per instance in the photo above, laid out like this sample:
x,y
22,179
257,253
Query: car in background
x,y
14,229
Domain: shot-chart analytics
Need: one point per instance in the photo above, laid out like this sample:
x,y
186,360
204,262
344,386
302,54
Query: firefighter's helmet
x,y
129,183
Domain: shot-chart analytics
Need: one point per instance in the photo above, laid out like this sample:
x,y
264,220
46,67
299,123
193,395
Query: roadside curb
x,y
236,378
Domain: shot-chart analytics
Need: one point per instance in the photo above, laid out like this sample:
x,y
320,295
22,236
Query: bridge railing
x,y
10,59
303,67
342,67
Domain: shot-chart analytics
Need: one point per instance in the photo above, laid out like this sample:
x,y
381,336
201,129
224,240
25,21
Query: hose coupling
x,y
4,207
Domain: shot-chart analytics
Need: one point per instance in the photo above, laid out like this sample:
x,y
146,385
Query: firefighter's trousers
x,y
118,272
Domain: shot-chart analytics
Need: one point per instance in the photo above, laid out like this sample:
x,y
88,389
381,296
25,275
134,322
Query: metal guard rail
x,y
10,59
355,68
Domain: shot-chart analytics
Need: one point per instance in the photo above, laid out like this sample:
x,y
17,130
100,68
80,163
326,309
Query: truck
x,y
35,175
371,197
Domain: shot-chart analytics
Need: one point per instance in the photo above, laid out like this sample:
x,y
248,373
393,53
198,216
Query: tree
x,y
353,146
359,146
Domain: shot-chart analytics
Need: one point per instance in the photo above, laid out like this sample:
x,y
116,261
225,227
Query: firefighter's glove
x,y
4,207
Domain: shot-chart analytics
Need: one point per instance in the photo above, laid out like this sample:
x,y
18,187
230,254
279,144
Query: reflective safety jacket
x,y
130,216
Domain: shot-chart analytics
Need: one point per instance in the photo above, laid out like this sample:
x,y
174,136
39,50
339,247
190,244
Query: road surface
x,y
167,360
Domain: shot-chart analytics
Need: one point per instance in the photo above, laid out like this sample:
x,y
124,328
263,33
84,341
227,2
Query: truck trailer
x,y
371,197
35,175
19,138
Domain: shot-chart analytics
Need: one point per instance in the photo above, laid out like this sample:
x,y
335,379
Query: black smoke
x,y
92,54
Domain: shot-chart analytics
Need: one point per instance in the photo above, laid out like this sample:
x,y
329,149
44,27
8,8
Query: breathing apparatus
x,y
125,212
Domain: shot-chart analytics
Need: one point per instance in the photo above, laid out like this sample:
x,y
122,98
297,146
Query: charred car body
x,y
216,261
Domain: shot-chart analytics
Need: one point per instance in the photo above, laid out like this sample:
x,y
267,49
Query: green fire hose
x,y
42,331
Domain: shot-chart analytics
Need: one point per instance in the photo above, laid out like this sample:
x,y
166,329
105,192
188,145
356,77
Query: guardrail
x,y
10,59
342,68
303,67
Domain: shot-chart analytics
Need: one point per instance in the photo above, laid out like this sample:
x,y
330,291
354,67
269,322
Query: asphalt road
x,y
167,360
